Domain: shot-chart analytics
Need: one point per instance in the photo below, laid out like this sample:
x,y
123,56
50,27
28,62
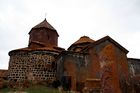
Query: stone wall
x,y
72,65
114,68
134,69
35,65
3,73
43,35
134,66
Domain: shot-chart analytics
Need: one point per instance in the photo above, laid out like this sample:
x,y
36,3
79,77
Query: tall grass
x,y
33,89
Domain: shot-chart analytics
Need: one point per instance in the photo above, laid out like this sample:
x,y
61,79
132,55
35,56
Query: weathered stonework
x,y
104,68
37,61
3,77
36,65
134,65
3,74
87,66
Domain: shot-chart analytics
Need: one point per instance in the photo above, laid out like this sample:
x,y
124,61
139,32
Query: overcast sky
x,y
120,19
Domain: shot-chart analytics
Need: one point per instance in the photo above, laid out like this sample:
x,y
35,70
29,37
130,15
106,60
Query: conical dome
x,y
44,24
83,39
80,44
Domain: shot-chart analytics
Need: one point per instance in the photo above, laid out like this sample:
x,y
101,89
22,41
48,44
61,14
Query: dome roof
x,y
44,24
83,39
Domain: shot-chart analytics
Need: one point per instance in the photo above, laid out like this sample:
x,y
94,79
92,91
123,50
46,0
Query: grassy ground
x,y
33,89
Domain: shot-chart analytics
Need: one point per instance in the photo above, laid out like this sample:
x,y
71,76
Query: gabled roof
x,y
83,39
109,39
44,24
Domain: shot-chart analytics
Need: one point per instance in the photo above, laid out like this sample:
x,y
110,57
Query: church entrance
x,y
66,83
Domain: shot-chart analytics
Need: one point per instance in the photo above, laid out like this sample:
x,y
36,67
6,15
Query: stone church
x,y
37,61
95,65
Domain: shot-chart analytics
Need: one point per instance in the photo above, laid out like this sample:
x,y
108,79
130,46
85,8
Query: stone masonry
x,y
94,66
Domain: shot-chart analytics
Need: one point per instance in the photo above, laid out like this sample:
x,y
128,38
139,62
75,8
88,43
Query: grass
x,y
33,89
